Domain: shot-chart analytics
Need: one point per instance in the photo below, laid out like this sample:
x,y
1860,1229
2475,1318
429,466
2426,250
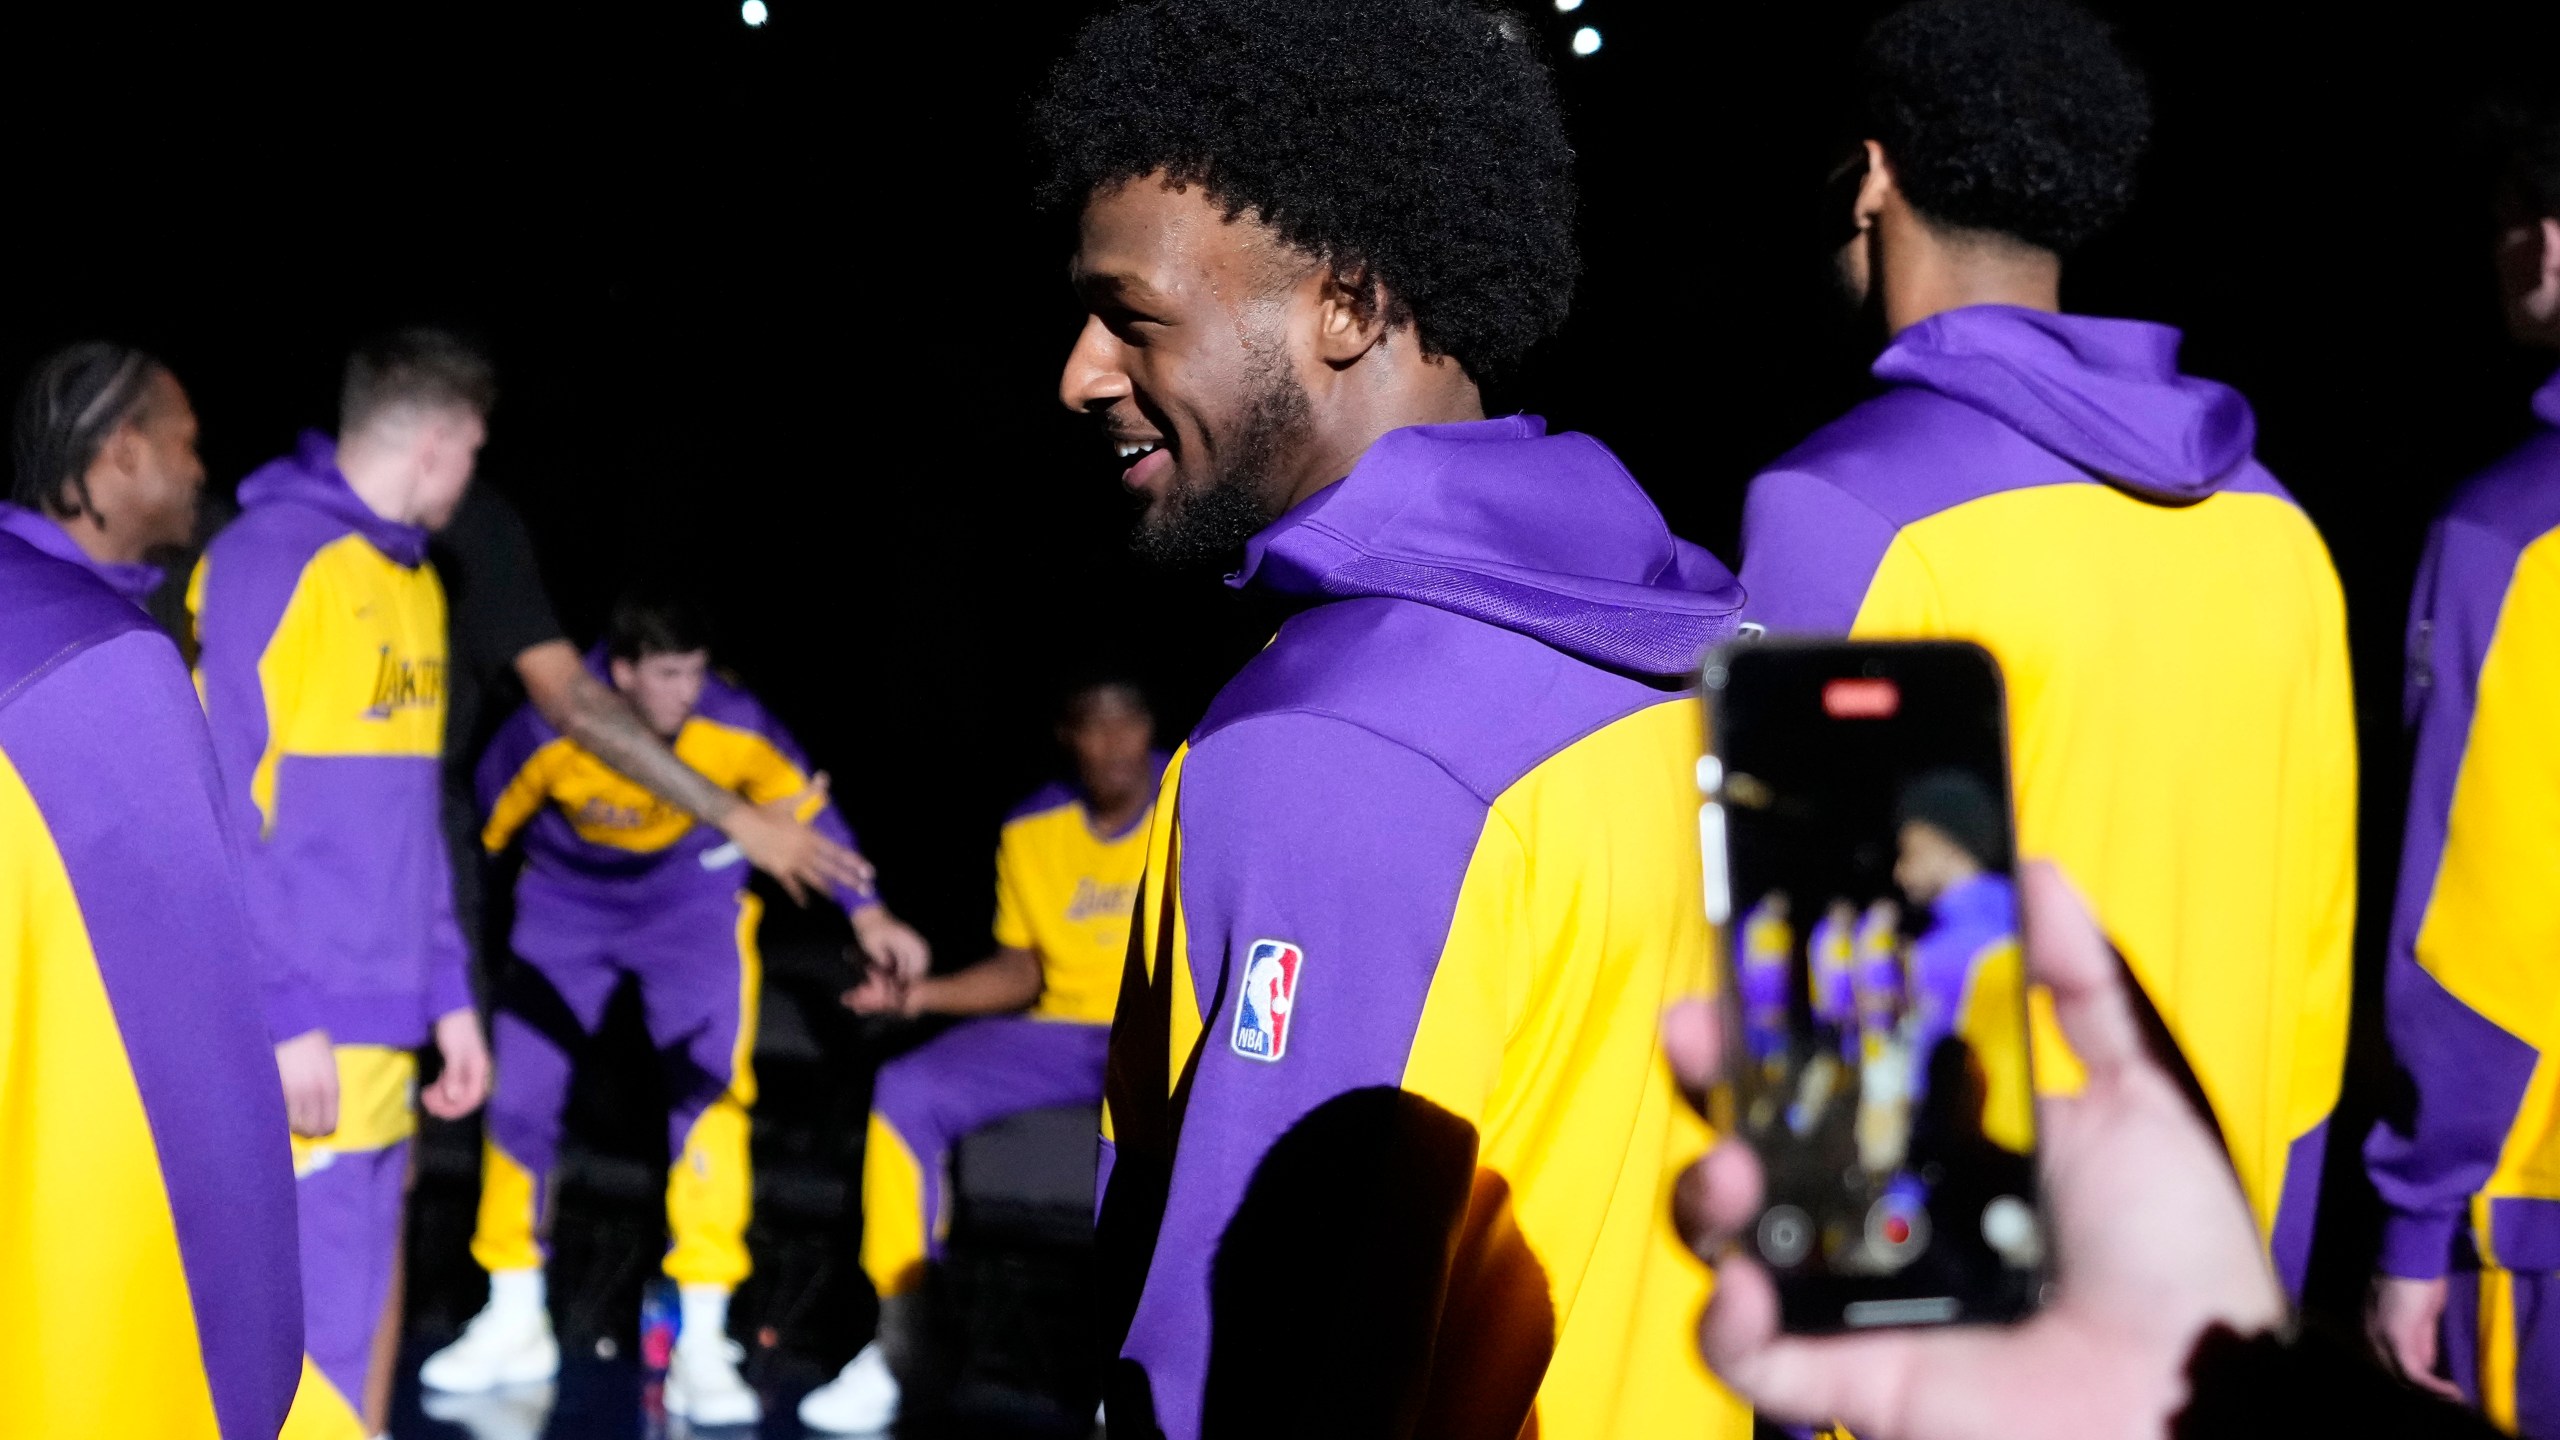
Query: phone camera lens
x,y
1786,1236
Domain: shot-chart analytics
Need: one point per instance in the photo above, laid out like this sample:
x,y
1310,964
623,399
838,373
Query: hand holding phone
x,y
2155,1245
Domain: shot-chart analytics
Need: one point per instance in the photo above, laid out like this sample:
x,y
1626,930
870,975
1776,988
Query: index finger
x,y
1693,1041
2066,952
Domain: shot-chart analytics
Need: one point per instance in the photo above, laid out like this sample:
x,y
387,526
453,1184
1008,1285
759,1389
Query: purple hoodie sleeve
x,y
239,597
448,958
2468,1075
1350,849
1809,551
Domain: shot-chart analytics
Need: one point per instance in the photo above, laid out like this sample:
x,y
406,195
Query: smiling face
x,y
664,688
1186,359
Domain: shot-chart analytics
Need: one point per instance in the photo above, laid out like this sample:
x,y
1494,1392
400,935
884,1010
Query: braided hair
x,y
74,401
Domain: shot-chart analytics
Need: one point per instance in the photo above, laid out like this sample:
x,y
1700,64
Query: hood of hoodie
x,y
1496,520
2546,401
2105,395
310,477
134,582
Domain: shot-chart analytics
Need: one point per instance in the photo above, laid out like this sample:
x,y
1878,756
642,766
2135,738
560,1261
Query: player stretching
x,y
2470,1169
1453,803
1067,873
322,669
2052,486
147,1249
618,883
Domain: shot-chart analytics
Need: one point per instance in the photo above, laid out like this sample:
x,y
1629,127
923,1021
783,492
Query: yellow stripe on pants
x,y
893,1218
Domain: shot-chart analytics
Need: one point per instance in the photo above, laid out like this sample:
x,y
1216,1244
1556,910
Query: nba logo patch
x,y
1270,992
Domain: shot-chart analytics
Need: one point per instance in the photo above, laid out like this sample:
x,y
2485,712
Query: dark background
x,y
775,317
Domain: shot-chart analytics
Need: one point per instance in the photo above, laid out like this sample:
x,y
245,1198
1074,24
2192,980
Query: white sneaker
x,y
505,1344
704,1386
862,1398
517,1414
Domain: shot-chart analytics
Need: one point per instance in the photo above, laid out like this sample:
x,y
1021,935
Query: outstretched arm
x,y
586,710
1004,982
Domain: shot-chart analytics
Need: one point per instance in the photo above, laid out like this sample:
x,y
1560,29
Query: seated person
x,y
618,883
1067,873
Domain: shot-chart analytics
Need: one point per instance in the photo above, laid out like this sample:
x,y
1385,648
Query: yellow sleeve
x,y
1013,912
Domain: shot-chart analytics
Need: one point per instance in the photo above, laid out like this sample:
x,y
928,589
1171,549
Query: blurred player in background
x,y
618,884
107,475
2468,1299
147,1250
2054,487
1067,871
322,666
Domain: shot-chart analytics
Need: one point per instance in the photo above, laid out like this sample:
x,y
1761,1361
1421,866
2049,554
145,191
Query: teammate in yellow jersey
x,y
2053,487
1067,871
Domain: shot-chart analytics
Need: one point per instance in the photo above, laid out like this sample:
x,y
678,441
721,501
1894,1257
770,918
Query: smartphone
x,y
1861,867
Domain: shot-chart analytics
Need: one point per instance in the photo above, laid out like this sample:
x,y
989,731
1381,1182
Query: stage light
x,y
1568,6
1585,40
754,12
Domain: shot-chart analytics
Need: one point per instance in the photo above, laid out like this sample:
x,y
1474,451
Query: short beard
x,y
1206,528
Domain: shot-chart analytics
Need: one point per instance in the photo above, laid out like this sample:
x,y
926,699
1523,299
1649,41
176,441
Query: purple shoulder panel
x,y
136,811
1809,551
56,610
1484,703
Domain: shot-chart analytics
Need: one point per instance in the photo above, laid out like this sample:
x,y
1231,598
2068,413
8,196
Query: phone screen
x,y
1858,795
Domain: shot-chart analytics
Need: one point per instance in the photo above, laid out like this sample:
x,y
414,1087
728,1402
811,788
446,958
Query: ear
x,y
1876,190
1351,315
2545,299
123,449
625,674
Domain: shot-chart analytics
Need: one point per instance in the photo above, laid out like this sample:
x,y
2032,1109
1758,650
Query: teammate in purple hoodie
x,y
2053,487
2470,1170
147,1270
1387,1123
322,670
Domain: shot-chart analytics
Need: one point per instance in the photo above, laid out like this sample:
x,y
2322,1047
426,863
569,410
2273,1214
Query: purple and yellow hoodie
x,y
2174,642
1389,1136
2472,989
148,1262
322,665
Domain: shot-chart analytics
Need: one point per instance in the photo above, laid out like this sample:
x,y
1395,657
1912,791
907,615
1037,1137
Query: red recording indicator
x,y
1867,699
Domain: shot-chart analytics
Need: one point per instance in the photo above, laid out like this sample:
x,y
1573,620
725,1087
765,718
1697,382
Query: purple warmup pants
x,y
2502,1346
699,977
972,1075
349,1215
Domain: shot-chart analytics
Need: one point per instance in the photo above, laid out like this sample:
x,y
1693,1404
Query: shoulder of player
x,y
57,611
1909,453
2515,501
728,703
1479,704
1046,801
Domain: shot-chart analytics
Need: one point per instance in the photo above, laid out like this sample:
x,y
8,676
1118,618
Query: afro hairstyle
x,y
1413,144
2018,117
